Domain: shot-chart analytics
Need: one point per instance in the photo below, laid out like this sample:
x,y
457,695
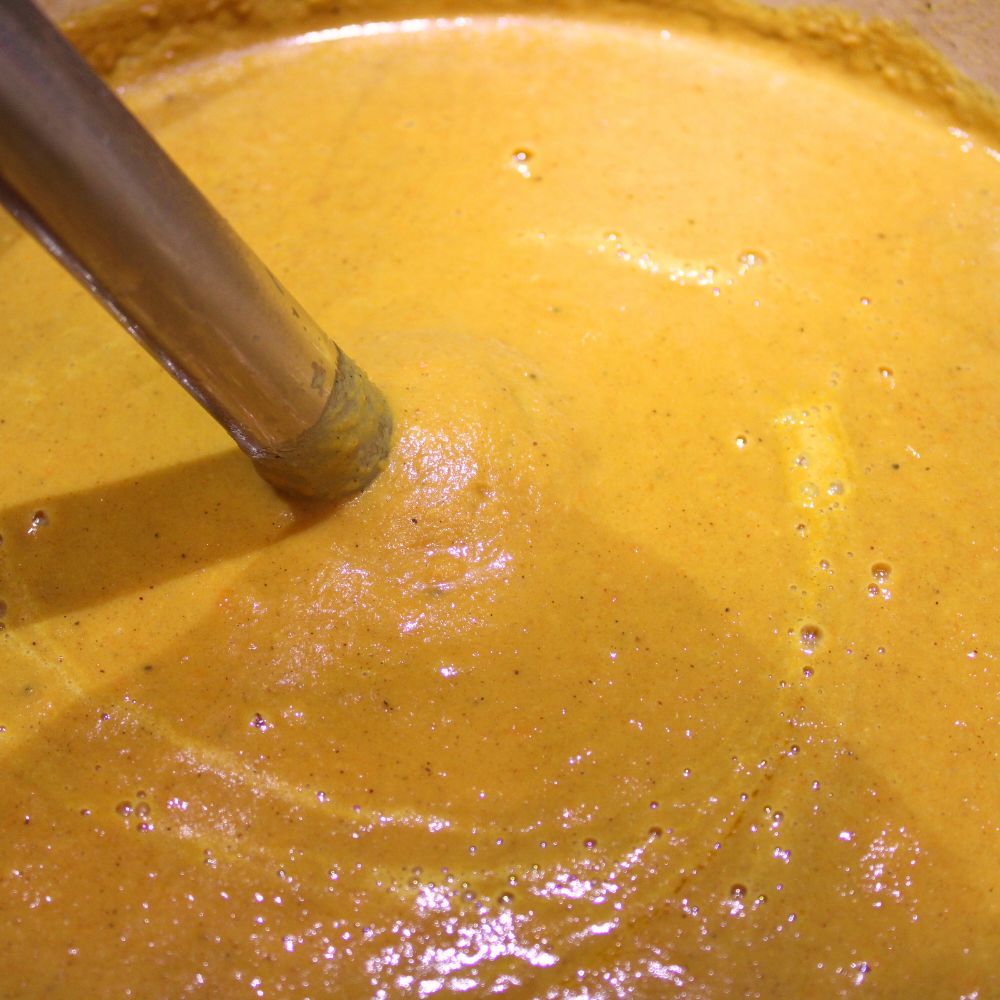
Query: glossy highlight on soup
x,y
661,659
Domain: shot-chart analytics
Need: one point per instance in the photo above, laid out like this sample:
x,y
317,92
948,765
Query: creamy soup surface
x,y
661,660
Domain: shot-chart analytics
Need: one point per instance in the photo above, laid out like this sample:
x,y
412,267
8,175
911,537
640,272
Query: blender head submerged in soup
x,y
659,661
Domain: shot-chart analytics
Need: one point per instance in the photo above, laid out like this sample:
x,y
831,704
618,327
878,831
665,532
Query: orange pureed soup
x,y
659,661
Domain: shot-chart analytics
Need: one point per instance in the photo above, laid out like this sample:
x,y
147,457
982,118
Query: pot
x,y
966,33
